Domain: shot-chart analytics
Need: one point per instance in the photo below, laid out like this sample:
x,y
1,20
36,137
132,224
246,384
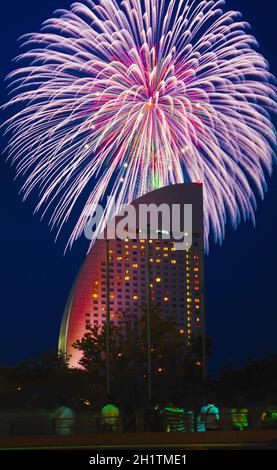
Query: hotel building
x,y
176,277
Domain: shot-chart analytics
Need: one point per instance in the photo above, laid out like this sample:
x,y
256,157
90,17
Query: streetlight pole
x,y
148,316
203,321
108,371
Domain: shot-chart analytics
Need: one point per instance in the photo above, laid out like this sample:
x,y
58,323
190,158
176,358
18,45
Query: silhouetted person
x,y
269,415
239,415
174,417
109,416
208,419
152,417
64,418
129,420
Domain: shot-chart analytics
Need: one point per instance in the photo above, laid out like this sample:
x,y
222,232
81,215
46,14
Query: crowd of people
x,y
172,417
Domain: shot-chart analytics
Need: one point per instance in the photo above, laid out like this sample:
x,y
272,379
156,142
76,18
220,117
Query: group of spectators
x,y
169,418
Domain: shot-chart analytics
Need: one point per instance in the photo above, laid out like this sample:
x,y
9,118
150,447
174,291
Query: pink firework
x,y
125,97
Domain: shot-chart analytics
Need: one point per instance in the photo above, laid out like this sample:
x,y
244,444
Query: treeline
x,y
41,382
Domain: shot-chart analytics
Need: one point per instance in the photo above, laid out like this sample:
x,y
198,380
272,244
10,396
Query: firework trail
x,y
126,97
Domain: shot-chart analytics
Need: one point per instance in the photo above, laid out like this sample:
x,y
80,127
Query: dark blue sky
x,y
36,277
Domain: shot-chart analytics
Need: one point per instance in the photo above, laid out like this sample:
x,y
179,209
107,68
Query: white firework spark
x,y
126,97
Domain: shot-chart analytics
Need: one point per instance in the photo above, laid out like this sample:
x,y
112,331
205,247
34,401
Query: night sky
x,y
36,277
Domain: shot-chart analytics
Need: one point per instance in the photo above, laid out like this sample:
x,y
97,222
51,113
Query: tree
x,y
174,364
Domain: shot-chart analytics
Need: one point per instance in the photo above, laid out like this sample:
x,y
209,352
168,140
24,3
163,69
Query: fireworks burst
x,y
124,97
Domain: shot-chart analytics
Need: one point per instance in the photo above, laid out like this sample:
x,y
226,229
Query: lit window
x,y
173,261
127,278
158,279
95,296
166,299
135,297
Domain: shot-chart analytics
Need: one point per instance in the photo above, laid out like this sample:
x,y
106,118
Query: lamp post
x,y
203,323
148,316
108,371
